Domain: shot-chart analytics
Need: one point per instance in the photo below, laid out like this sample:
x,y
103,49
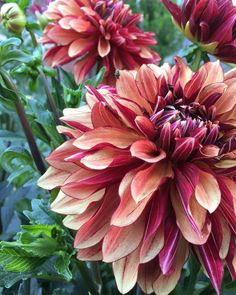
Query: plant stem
x,y
49,95
50,99
197,61
86,277
25,125
33,38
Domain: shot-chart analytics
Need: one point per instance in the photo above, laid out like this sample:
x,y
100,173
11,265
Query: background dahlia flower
x,y
148,174
89,32
210,23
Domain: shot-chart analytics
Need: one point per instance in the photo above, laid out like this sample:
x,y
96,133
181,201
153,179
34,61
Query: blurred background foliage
x,y
36,253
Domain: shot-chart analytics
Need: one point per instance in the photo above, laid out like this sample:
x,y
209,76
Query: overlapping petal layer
x,y
210,23
92,32
148,175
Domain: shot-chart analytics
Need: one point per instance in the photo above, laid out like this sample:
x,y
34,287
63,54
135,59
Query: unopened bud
x,y
13,17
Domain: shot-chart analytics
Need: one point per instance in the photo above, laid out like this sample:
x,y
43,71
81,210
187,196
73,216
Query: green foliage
x,y
36,250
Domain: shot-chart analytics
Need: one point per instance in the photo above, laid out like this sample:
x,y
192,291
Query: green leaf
x,y
10,41
24,4
49,230
18,260
62,265
41,213
8,279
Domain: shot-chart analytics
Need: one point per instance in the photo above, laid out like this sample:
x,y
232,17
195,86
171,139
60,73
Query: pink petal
x,y
62,36
168,252
148,180
126,271
103,117
104,47
147,84
221,234
147,151
121,241
118,137
207,191
126,87
81,46
147,275
202,227
211,261
95,229
146,126
93,253
166,283
53,178
83,66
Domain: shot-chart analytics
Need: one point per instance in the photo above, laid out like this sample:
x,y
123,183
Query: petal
x,y
103,116
93,253
118,137
121,241
126,271
83,66
148,180
227,100
104,47
147,84
214,266
147,275
165,284
168,252
199,217
207,191
221,234
80,46
127,88
152,245
146,126
147,151
61,36
53,178
93,231
64,204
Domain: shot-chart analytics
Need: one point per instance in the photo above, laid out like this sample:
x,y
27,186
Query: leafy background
x,y
36,253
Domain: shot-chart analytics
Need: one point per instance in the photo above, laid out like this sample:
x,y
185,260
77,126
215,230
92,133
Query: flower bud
x,y
13,17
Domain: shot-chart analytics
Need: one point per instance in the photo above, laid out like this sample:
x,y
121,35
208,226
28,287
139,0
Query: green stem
x,y
197,61
25,125
86,277
50,98
33,38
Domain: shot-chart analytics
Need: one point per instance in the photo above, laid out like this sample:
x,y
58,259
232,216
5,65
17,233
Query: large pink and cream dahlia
x,y
148,174
102,33
210,23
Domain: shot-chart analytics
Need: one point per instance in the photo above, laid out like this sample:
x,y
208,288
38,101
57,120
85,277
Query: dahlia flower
x,y
89,32
148,174
210,23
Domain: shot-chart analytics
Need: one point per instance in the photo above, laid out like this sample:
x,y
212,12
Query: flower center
x,y
178,122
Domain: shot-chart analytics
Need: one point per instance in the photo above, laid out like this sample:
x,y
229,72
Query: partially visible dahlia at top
x,y
210,23
148,175
101,33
